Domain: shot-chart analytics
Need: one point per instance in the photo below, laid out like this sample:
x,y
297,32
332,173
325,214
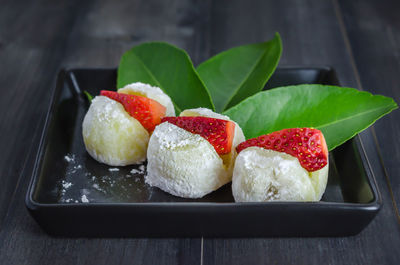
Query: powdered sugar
x,y
84,199
140,170
65,186
134,171
69,158
171,136
82,186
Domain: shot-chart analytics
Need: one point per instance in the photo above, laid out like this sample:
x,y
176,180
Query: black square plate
x,y
71,195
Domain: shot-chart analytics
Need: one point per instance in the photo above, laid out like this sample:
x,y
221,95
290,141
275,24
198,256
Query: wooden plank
x,y
373,29
45,37
311,35
27,70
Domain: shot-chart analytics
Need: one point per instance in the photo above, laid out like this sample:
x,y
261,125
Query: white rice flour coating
x,y
152,92
182,163
265,175
111,135
229,159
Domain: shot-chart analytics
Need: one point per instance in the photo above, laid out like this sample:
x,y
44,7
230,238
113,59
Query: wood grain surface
x,y
360,39
374,32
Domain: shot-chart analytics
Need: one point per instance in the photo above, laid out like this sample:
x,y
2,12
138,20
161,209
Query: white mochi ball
x,y
229,159
112,136
151,92
265,175
183,164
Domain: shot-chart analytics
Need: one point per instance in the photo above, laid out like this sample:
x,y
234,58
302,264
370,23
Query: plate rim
x,y
373,206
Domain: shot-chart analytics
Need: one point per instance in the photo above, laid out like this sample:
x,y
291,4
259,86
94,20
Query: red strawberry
x,y
218,132
307,144
147,111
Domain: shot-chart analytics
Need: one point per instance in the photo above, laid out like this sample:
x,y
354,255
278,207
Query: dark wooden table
x,y
360,39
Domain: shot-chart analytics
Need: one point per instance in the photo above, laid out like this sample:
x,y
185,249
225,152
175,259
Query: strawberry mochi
x,y
147,111
287,165
117,127
192,155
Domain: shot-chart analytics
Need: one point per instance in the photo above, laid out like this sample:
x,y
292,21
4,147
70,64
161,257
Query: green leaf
x,y
240,72
339,112
168,67
88,95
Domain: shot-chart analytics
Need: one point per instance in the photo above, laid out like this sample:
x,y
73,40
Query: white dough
x,y
182,163
319,180
265,175
185,164
152,92
229,159
111,135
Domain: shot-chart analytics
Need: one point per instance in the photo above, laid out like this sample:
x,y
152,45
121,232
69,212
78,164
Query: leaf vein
x,y
350,117
244,79
148,71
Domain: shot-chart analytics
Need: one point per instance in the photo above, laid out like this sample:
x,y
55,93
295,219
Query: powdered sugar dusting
x,y
84,199
69,158
140,170
108,110
171,136
81,185
66,185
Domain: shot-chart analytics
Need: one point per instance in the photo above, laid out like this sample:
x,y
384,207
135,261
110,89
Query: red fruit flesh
x,y
147,111
307,144
216,131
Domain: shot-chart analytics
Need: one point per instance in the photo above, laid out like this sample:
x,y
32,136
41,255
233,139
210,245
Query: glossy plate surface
x,y
71,194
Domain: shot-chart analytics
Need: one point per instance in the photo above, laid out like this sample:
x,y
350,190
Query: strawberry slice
x,y
218,132
307,144
147,111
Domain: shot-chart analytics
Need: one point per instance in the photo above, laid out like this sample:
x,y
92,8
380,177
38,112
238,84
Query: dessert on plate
x,y
287,165
192,155
118,125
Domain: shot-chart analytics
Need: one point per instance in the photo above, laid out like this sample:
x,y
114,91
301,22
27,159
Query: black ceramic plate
x,y
70,194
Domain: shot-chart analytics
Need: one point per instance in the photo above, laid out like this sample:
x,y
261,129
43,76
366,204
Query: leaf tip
x,y
88,96
278,36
